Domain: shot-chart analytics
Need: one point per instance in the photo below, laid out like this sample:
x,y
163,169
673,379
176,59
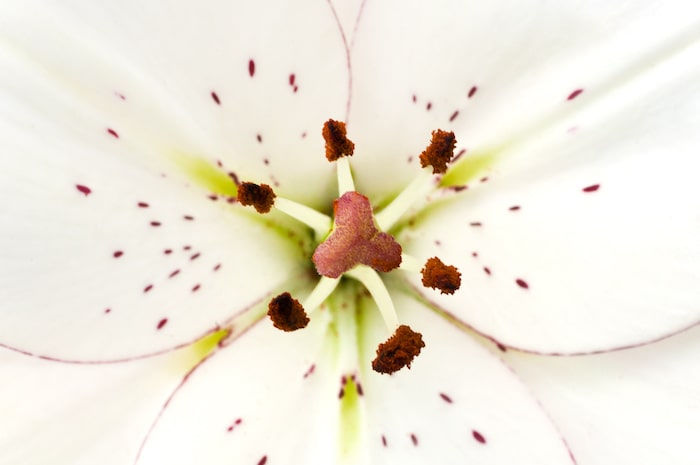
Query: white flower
x,y
577,233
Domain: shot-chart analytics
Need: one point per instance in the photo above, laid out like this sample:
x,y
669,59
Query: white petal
x,y
584,237
637,406
519,60
106,114
269,397
458,403
77,414
249,86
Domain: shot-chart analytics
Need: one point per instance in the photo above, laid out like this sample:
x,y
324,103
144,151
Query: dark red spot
x,y
217,267
155,224
428,106
414,439
475,223
360,392
174,273
195,256
161,323
108,310
454,115
592,188
251,67
475,254
292,79
383,440
263,460
259,138
446,398
295,88
215,98
310,371
414,98
574,94
186,247
148,288
120,95
341,394
168,251
142,205
85,190
478,436
487,270
118,254
472,91
514,208
196,287
522,283
343,380
303,135
484,179
501,347
213,197
113,132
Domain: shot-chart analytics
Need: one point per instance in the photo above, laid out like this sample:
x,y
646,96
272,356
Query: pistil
x,y
358,246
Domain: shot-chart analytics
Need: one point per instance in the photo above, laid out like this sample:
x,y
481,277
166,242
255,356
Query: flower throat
x,y
356,245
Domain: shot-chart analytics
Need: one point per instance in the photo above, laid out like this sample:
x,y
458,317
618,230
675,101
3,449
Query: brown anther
x,y
440,151
337,143
437,275
260,196
287,313
398,351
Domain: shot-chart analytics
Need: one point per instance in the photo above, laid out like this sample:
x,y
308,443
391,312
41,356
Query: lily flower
x,y
502,183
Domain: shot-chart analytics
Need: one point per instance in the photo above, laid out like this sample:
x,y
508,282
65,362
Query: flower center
x,y
358,247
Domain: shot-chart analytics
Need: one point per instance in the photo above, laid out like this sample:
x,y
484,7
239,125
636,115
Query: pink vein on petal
x,y
348,60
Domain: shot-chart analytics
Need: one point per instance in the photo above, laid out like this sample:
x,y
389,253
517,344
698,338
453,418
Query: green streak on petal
x,y
191,355
205,174
343,304
207,344
351,420
470,166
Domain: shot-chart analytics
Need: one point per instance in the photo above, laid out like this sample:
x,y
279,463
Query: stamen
x,y
434,160
410,263
374,284
287,313
260,196
345,181
419,188
323,289
437,275
337,143
263,199
398,351
319,222
440,151
355,240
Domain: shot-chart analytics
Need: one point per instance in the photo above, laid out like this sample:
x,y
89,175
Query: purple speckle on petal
x,y
446,398
162,323
85,190
574,94
472,91
414,439
478,436
592,188
522,283
215,97
118,253
113,133
251,67
263,460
